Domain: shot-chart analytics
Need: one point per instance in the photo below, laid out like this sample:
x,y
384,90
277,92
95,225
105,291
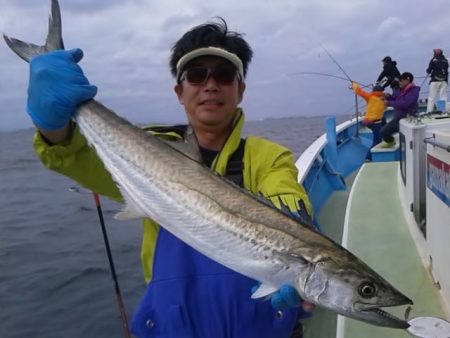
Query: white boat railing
x,y
432,141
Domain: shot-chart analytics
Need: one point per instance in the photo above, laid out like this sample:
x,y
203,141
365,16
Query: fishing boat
x,y
393,212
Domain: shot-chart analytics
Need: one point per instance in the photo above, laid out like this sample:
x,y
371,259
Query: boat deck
x,y
384,241
381,239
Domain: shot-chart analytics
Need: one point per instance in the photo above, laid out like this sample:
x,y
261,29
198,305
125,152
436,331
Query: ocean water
x,y
54,273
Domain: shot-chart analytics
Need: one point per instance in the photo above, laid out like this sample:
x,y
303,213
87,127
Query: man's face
x,y
210,105
403,83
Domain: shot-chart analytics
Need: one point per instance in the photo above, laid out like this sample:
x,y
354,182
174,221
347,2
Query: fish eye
x,y
367,289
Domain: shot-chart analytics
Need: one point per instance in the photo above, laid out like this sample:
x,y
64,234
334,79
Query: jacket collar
x,y
232,143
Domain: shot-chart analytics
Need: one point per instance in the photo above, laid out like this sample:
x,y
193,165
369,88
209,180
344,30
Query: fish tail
x,y
54,39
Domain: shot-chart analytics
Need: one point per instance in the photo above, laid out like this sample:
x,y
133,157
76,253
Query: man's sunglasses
x,y
198,75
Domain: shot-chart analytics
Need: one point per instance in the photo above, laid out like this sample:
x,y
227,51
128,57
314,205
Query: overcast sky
x,y
127,45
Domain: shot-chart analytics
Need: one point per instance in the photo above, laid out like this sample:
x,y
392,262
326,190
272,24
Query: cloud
x,y
392,28
127,46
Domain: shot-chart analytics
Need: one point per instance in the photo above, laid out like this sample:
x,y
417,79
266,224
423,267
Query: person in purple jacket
x,y
404,100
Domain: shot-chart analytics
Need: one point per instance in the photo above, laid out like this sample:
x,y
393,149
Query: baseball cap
x,y
387,58
210,51
407,76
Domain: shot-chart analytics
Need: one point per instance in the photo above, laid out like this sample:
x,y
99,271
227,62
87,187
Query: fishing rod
x,y
321,74
123,314
337,63
337,77
112,268
351,81
330,75
424,79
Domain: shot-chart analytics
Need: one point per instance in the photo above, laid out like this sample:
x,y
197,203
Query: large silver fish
x,y
222,221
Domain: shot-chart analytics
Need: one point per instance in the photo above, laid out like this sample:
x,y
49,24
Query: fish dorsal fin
x,y
264,290
301,216
187,146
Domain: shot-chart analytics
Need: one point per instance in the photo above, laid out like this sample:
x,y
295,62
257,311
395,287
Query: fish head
x,y
355,291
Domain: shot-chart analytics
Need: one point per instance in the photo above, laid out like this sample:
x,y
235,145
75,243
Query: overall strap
x,y
235,166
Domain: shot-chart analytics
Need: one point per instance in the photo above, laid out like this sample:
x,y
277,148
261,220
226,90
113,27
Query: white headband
x,y
213,51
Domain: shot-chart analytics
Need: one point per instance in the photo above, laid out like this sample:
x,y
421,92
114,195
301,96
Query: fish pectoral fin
x,y
264,290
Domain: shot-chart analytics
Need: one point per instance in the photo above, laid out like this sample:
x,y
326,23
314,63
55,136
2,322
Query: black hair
x,y
211,34
407,76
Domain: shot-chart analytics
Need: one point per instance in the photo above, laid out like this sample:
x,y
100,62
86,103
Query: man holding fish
x,y
187,292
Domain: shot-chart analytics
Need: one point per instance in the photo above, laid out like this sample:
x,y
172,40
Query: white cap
x,y
213,51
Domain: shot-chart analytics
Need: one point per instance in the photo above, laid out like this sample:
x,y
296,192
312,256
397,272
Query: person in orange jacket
x,y
374,117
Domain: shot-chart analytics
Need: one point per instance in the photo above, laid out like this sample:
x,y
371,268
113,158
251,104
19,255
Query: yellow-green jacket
x,y
268,169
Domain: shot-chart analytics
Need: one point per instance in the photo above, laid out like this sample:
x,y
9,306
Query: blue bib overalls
x,y
190,295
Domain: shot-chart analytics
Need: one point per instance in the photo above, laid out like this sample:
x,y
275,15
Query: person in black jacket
x,y
438,71
389,74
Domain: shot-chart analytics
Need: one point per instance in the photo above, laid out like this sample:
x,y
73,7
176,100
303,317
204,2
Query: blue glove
x,y
286,297
57,86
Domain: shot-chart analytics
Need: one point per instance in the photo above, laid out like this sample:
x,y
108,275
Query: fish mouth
x,y
397,322
381,317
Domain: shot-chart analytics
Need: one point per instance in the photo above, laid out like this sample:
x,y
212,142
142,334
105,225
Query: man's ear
x,y
241,90
178,88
